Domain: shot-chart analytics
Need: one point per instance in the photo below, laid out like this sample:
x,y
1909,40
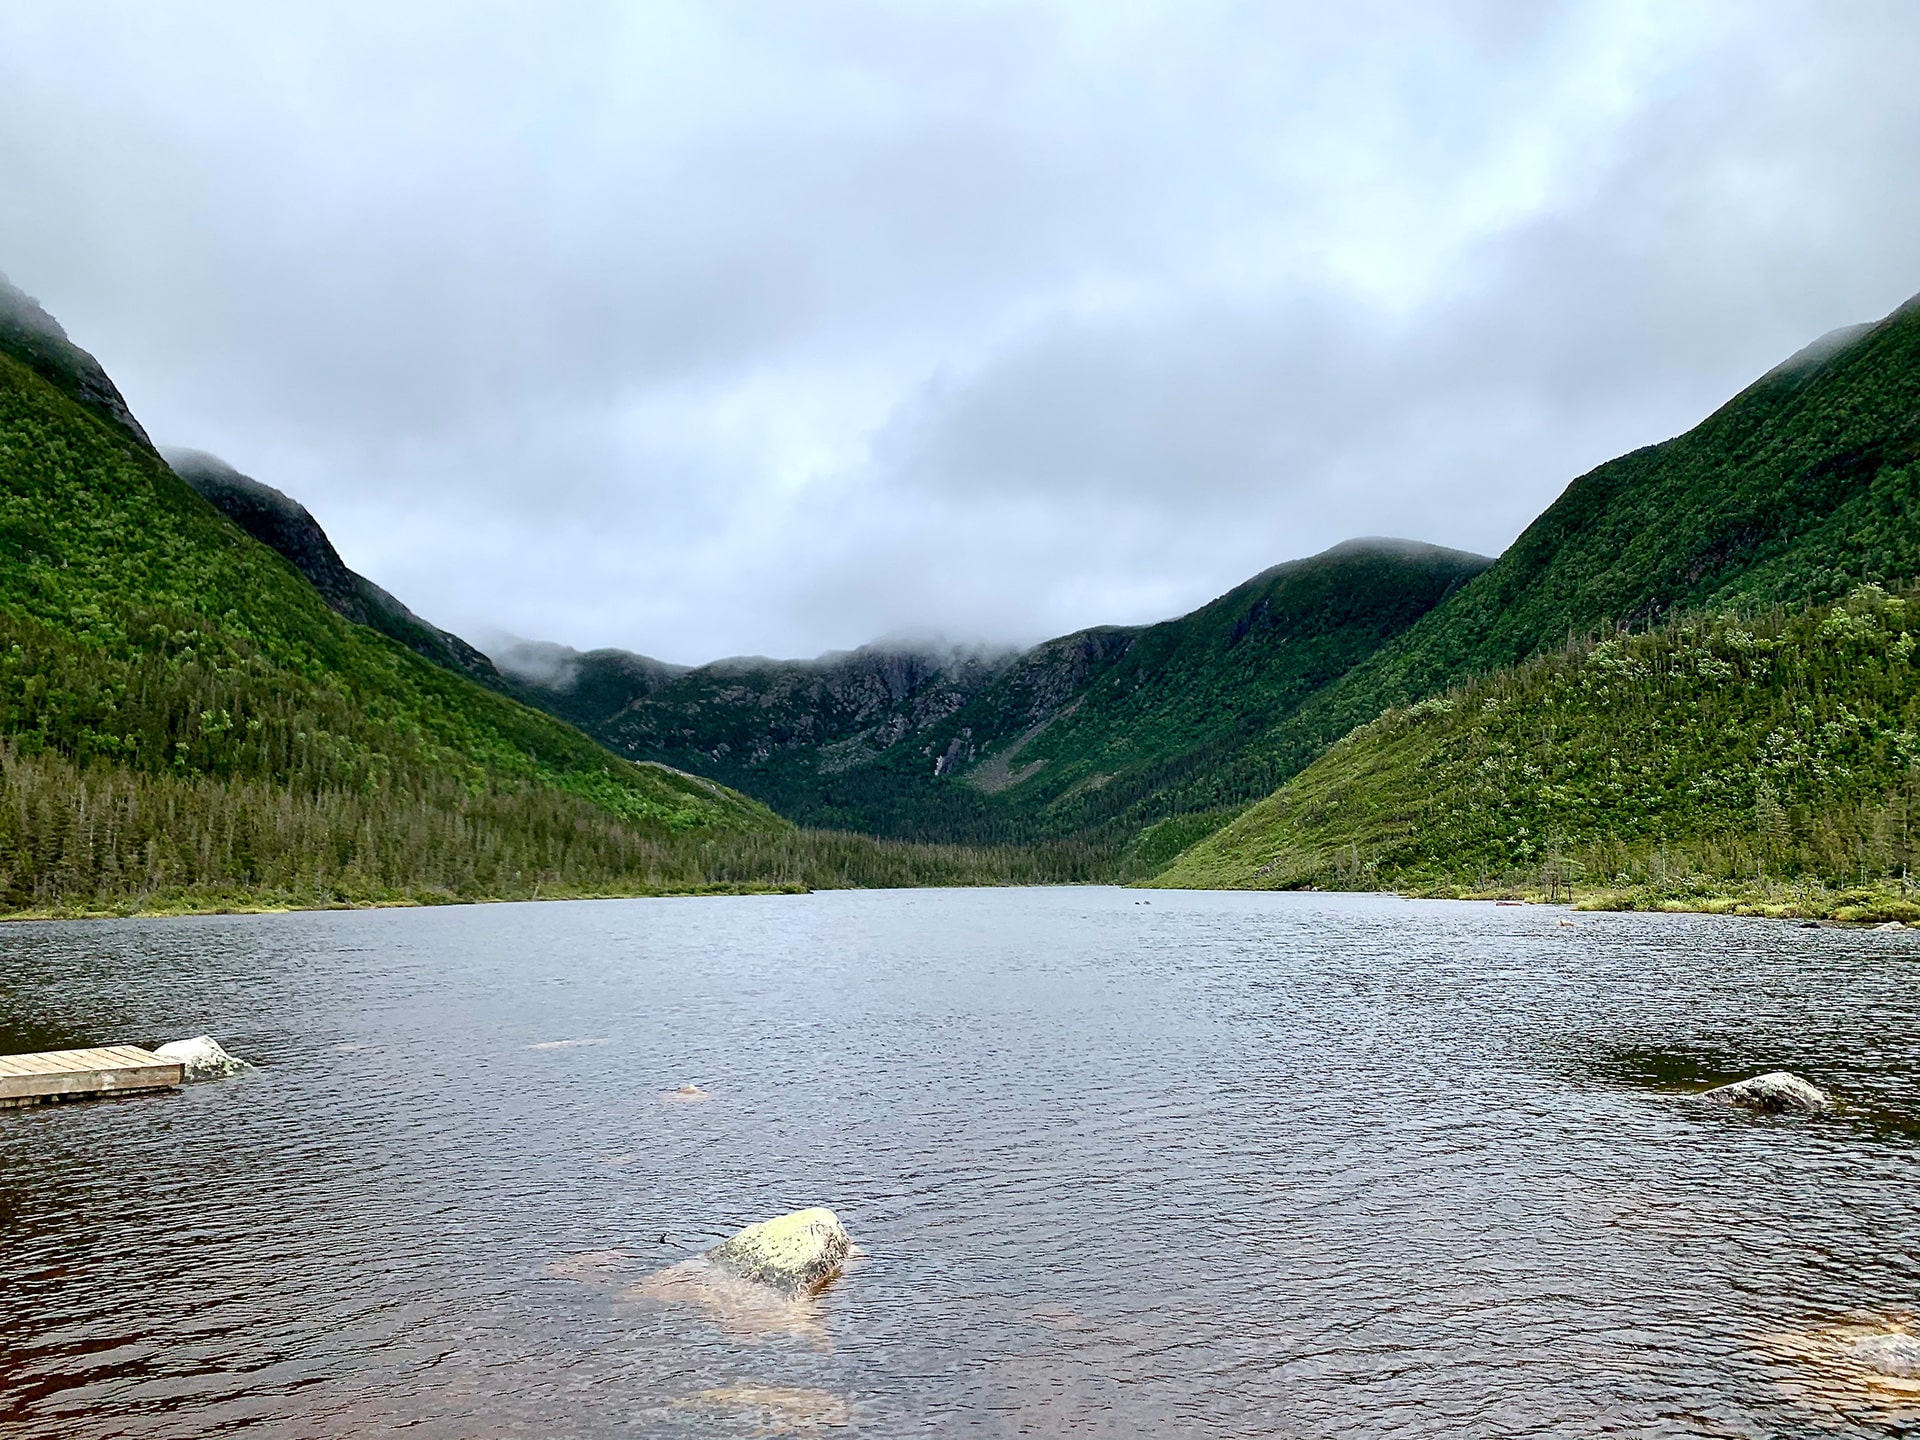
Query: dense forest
x,y
1766,762
1093,736
1688,682
1793,492
184,722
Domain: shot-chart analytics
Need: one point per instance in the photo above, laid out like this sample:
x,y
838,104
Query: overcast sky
x,y
777,327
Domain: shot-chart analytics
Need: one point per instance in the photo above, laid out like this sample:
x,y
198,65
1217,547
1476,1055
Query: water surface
x,y
1179,1164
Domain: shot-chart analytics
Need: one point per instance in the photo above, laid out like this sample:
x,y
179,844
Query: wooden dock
x,y
83,1074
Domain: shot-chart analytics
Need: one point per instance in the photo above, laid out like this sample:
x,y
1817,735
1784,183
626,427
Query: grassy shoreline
x,y
1862,906
1868,905
173,906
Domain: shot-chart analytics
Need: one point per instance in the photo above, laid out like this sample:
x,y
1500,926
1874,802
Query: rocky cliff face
x,y
31,336
1100,732
284,524
836,712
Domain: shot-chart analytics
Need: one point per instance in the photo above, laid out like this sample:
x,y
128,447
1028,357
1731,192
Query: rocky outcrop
x,y
282,523
201,1058
1774,1093
1889,1354
34,338
794,1255
734,718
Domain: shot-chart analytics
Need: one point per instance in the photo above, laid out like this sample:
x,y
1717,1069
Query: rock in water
x,y
201,1058
1773,1093
795,1254
1888,1354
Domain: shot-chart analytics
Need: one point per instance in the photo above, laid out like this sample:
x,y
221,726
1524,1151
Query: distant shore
x,y
163,907
1867,906
1854,907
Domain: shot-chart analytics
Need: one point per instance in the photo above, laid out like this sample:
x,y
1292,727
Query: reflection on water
x,y
1218,1165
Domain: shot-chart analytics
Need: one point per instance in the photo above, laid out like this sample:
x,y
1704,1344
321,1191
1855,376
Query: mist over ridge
x,y
990,324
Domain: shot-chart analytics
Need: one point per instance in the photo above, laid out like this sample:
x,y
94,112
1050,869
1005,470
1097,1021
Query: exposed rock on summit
x,y
282,523
33,337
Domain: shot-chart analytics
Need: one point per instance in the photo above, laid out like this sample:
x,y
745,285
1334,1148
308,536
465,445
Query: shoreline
x,y
1833,907
1888,902
1861,908
179,908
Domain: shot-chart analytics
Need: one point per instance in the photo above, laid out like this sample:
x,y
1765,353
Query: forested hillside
x,y
1762,762
1799,488
282,523
184,721
1747,743
1095,736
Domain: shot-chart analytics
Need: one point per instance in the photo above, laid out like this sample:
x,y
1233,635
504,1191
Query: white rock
x,y
1889,1354
1774,1092
795,1254
201,1058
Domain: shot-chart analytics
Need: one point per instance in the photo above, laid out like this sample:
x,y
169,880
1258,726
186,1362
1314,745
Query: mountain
x,y
1768,763
743,712
1093,735
185,722
285,525
31,337
1796,493
1797,489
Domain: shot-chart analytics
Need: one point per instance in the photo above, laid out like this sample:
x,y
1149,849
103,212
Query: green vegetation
x,y
1769,764
109,839
1799,488
1095,737
184,723
283,524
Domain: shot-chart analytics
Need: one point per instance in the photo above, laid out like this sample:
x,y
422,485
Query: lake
x,y
1118,1163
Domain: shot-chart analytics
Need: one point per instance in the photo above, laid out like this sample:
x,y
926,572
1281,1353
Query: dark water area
x,y
1221,1165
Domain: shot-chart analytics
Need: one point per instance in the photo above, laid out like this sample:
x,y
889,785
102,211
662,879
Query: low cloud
x,y
717,328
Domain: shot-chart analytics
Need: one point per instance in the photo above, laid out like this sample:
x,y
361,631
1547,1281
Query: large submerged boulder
x,y
795,1254
1775,1093
201,1058
1891,1354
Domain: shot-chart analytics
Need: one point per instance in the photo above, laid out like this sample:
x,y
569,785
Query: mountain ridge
x,y
1792,496
186,724
1791,492
283,524
947,745
34,338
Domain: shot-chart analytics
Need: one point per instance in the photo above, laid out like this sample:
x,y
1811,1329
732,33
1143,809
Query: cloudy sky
x,y
775,327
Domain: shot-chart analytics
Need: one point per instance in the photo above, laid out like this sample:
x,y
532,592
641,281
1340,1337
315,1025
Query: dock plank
x,y
75,1074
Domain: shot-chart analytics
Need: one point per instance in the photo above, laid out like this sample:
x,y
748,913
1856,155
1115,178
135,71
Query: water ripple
x,y
1221,1166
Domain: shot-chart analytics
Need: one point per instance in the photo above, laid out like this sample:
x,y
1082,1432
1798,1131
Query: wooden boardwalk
x,y
83,1074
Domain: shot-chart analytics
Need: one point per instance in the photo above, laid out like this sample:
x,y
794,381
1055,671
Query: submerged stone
x,y
1890,1354
795,1254
201,1058
1774,1093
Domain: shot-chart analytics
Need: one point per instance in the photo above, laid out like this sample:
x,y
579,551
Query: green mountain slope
x,y
1095,735
1112,731
1769,763
34,339
748,716
185,722
284,524
1797,489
